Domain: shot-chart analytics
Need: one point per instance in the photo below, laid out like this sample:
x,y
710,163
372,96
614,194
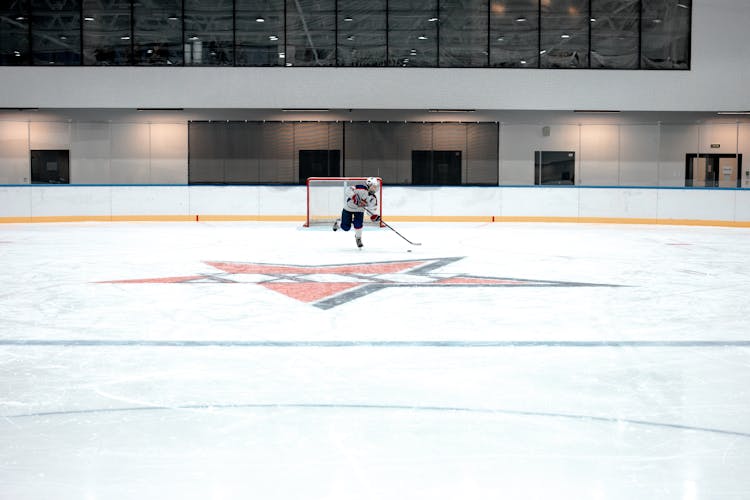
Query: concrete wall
x,y
720,67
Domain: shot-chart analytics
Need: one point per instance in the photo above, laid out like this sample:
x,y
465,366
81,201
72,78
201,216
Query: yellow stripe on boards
x,y
395,218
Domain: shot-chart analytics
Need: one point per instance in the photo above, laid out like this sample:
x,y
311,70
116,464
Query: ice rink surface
x,y
267,361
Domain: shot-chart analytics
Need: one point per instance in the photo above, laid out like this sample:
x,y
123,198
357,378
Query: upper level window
x,y
565,34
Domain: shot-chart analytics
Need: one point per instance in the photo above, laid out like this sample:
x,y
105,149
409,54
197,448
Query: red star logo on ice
x,y
327,286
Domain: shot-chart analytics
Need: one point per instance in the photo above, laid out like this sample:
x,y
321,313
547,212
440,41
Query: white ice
x,y
635,389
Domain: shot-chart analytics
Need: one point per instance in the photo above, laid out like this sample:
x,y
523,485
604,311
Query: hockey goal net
x,y
325,199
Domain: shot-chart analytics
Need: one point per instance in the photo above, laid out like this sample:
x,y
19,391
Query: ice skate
x,y
359,241
336,225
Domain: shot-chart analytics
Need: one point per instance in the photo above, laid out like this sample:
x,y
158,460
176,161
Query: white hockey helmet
x,y
372,184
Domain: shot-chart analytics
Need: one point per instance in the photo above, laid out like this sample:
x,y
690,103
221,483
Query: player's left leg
x,y
358,223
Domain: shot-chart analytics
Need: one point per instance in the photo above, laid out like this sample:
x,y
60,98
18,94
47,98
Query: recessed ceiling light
x,y
259,20
88,18
125,37
565,35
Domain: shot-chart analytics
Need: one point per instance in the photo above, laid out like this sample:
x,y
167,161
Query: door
x,y
713,170
436,168
319,163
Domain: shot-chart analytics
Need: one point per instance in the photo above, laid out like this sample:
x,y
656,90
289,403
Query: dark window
x,y
311,33
514,34
565,34
56,32
14,33
260,35
463,33
50,166
436,168
412,33
158,32
361,33
554,167
319,163
107,32
614,33
208,36
665,27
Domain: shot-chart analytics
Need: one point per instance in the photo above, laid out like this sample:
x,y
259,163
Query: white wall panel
x,y
742,205
131,146
722,134
15,159
59,200
540,202
102,201
168,153
15,201
150,200
618,203
744,150
224,200
696,204
639,155
49,135
675,142
599,162
90,153
281,200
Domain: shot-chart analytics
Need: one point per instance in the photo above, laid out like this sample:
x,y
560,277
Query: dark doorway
x,y
554,167
713,170
319,163
50,166
436,168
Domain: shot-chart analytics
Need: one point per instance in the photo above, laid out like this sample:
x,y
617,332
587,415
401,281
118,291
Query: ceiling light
x,y
259,20
88,18
422,37
173,18
159,109
350,37
521,19
125,37
593,19
20,18
656,21
523,61
432,19
273,38
542,52
680,4
306,110
565,36
348,19
733,113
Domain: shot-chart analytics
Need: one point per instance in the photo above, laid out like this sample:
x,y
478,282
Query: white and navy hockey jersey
x,y
358,198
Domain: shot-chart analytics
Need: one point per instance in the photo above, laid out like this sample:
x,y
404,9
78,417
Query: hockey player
x,y
358,199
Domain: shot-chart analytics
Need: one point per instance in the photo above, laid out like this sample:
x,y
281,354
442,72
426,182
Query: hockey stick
x,y
389,227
